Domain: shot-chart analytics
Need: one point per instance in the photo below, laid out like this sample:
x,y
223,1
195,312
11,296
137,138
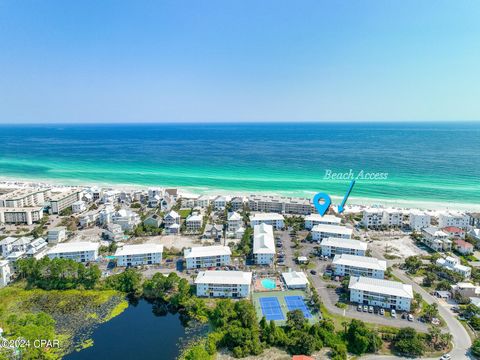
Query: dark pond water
x,y
143,331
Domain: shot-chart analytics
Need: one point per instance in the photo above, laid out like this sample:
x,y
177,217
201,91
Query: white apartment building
x,y
23,198
354,265
17,215
79,206
383,293
453,218
454,264
142,254
207,256
321,231
436,239
317,219
194,222
202,201
376,217
233,284
62,200
332,246
234,221
88,218
5,273
36,248
237,203
280,204
417,219
57,235
77,251
263,244
220,202
171,218
273,219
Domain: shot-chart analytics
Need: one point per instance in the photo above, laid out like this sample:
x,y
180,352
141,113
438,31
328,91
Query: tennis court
x,y
297,302
271,308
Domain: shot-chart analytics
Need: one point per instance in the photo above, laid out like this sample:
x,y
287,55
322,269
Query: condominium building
x,y
280,204
207,256
453,218
316,219
418,219
383,293
453,264
263,244
62,200
114,232
273,219
77,251
233,284
321,231
23,198
194,222
142,254
354,265
376,217
333,246
6,245
202,201
17,215
237,203
220,202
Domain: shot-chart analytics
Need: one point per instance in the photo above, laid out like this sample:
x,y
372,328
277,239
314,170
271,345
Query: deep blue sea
x,y
425,162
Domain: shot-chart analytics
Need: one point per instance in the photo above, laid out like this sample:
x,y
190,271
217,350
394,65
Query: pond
x,y
143,331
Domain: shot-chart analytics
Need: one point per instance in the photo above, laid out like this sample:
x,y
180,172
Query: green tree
x,y
413,264
408,343
476,347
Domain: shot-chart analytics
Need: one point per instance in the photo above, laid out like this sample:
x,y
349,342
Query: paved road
x,y
461,339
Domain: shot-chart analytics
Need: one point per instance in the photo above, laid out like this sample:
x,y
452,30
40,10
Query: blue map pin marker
x,y
322,208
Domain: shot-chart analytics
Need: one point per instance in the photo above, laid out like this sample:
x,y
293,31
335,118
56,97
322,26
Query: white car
x,y
445,357
393,313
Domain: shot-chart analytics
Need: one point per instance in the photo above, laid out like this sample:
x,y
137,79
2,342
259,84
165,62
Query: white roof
x,y
74,247
234,216
434,231
8,240
360,261
173,214
266,216
379,286
196,217
332,229
263,240
57,229
203,251
418,212
224,277
344,243
295,278
139,249
325,218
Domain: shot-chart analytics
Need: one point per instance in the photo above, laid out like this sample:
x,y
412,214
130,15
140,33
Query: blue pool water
x,y
269,284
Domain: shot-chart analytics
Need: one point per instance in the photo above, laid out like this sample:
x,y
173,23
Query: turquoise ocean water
x,y
426,162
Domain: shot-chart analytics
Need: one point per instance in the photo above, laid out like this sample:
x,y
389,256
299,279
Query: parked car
x,y
359,307
410,317
365,308
382,311
393,313
404,315
445,357
370,309
313,272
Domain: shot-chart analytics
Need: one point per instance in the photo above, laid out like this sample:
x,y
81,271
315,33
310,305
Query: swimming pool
x,y
269,284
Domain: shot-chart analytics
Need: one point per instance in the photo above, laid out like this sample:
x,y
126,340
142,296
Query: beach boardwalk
x,y
275,305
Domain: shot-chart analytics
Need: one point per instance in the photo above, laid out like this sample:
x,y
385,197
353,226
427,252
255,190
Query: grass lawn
x,y
280,295
184,213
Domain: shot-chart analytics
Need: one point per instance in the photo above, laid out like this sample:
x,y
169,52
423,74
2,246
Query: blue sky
x,y
143,61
